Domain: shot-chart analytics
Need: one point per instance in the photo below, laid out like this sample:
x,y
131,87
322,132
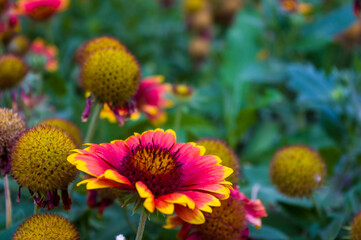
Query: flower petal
x,y
116,177
217,190
194,216
172,222
94,183
144,192
164,207
203,201
178,198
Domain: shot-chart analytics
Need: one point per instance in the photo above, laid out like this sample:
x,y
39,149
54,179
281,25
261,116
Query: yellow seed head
x,y
199,47
46,227
19,45
192,6
12,71
112,75
356,227
11,126
38,159
228,156
297,171
67,126
226,222
97,44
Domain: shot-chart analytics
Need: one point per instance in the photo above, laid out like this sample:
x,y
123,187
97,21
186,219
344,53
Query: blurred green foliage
x,y
306,91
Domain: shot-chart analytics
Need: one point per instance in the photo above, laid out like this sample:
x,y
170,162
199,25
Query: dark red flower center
x,y
155,166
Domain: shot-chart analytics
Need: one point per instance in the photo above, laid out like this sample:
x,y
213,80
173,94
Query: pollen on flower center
x,y
156,167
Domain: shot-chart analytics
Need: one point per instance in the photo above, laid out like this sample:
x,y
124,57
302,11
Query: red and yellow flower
x,y
41,9
227,222
150,99
40,49
168,176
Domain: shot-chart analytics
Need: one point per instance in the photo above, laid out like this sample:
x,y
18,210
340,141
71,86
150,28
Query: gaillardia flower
x,y
38,162
42,56
67,126
150,99
11,126
46,226
227,222
41,9
297,171
97,44
224,152
182,92
356,227
112,76
169,176
12,71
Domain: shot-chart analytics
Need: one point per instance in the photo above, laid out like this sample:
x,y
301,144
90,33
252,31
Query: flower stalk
x,y
8,206
141,226
93,122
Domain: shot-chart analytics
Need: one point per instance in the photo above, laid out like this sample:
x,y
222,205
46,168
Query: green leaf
x,y
268,233
332,229
245,119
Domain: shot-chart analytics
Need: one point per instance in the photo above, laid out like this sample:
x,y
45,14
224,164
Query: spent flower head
x,y
153,167
12,71
112,76
96,44
11,127
38,162
297,171
356,227
46,226
67,126
227,222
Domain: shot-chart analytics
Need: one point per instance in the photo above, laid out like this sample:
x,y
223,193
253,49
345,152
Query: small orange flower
x,y
41,9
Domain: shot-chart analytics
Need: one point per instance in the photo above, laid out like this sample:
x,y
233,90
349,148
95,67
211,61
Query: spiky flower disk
x,y
228,156
46,226
12,71
112,75
356,227
67,126
11,126
297,171
97,44
226,222
38,159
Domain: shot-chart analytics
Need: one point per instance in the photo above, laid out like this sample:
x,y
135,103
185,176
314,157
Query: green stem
x,y
7,201
178,117
93,122
317,206
49,33
128,220
36,209
143,218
